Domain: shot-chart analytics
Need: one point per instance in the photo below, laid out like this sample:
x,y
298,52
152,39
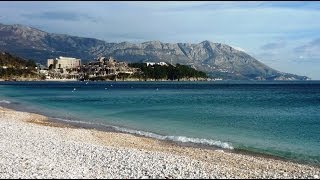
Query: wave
x,y
182,139
209,142
5,102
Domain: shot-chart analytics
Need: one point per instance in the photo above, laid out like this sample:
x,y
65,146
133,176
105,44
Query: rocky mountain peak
x,y
217,59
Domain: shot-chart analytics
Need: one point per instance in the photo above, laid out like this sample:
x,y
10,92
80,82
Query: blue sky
x,y
284,35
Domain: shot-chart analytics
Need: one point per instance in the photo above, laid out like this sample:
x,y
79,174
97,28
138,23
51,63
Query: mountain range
x,y
216,59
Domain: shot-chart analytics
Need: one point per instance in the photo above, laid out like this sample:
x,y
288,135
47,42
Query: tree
x,y
86,77
169,72
159,72
69,70
123,76
42,77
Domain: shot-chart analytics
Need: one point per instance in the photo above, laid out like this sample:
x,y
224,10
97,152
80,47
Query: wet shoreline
x,y
107,153
109,128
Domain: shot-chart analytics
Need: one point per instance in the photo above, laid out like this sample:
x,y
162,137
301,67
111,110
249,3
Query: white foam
x,y
142,133
209,142
68,120
183,139
5,102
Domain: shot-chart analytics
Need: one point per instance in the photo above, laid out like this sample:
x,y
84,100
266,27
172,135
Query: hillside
x,y
216,59
167,72
12,67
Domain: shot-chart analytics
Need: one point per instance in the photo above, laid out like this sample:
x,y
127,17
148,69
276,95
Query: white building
x,y
153,63
162,64
150,63
64,63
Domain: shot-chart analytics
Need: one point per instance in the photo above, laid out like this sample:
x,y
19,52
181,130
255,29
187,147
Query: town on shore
x,y
101,69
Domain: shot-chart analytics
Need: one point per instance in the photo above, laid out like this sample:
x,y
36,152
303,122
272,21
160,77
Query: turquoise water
x,y
277,118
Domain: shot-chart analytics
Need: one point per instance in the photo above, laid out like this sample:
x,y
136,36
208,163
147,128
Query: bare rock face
x,y
218,60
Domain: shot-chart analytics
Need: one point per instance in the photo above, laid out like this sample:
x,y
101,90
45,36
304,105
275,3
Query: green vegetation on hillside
x,y
12,67
169,72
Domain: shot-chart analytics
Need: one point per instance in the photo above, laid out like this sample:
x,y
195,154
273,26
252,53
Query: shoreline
x,y
50,121
77,124
105,128
210,158
108,80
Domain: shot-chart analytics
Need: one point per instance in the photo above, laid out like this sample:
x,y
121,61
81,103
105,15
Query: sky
x,y
281,34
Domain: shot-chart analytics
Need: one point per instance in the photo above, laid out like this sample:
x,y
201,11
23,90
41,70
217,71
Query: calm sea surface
x,y
277,118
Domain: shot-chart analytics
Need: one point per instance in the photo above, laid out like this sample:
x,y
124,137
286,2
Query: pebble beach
x,y
31,146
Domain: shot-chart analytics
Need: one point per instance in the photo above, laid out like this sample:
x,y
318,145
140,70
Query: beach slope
x,y
33,147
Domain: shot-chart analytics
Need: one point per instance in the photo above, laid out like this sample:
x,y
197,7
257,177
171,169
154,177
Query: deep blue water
x,y
276,118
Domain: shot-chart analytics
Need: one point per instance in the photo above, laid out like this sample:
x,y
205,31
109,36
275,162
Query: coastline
x,y
205,162
110,129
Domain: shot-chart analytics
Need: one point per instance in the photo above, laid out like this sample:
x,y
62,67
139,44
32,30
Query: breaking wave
x,y
4,102
182,139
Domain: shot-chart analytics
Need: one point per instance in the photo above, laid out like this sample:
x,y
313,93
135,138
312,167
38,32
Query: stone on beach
x,y
30,147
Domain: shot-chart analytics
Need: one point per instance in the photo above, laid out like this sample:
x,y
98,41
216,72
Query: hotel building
x,y
64,63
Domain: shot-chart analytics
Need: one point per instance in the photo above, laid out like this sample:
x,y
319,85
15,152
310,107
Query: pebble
x,y
32,151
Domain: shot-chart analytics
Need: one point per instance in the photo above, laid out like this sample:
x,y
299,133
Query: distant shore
x,y
148,80
120,80
34,147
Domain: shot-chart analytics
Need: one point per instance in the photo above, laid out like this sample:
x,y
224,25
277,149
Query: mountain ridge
x,y
217,59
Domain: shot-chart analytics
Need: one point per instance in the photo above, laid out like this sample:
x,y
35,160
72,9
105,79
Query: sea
x,y
275,118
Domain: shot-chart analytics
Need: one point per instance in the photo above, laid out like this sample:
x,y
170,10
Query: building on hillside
x,y
159,63
101,59
106,67
150,63
162,64
40,66
50,62
64,63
